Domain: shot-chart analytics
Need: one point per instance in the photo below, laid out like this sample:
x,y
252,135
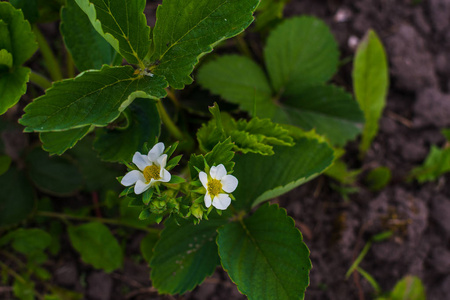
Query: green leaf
x,y
88,48
12,86
327,108
186,30
59,142
56,175
265,255
269,12
6,59
300,52
28,7
184,255
340,172
16,197
436,164
378,178
176,179
23,290
144,126
123,24
92,98
446,133
279,173
21,39
147,245
239,80
29,242
96,245
5,163
370,81
410,288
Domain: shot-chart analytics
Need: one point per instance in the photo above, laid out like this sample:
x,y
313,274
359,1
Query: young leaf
x,y
240,80
378,178
92,98
16,197
121,144
410,287
55,175
186,30
88,48
436,164
122,24
12,86
16,32
300,52
184,255
59,142
260,269
96,245
269,12
279,173
370,81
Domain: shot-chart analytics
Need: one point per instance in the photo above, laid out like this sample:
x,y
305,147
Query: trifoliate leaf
x,y
92,98
144,126
184,255
300,52
59,142
370,81
186,30
265,255
96,245
88,48
123,24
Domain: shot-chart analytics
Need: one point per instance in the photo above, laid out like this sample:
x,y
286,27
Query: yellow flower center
x,y
214,187
151,172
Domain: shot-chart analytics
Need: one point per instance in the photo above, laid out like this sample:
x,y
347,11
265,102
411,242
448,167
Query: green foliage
x,y
279,173
16,197
122,24
55,175
184,255
186,30
446,133
23,290
74,103
17,44
410,287
436,164
339,170
58,142
88,48
147,245
269,12
29,242
255,136
143,126
261,270
370,81
96,245
378,178
296,94
5,162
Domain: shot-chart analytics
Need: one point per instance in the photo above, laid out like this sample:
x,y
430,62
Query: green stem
x,y
242,45
173,129
40,80
47,53
101,220
70,65
358,259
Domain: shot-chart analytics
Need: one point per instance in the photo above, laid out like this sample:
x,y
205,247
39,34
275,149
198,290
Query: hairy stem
x,y
101,220
49,57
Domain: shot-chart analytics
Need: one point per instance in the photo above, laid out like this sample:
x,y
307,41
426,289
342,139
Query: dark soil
x,y
417,40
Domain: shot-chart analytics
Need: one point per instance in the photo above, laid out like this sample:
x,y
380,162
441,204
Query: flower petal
x,y
162,161
131,177
204,179
229,183
218,172
207,200
156,152
141,187
221,201
141,161
165,175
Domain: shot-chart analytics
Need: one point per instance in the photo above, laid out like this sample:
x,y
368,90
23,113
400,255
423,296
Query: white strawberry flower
x,y
152,170
218,185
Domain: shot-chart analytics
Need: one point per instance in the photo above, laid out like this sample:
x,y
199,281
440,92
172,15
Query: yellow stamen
x,y
214,187
151,172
